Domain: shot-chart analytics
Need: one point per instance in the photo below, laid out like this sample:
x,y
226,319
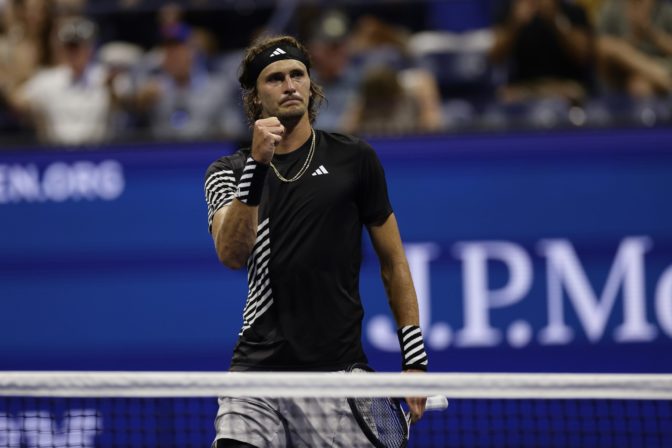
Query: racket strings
x,y
385,420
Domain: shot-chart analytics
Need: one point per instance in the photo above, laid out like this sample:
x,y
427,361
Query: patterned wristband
x,y
412,348
251,183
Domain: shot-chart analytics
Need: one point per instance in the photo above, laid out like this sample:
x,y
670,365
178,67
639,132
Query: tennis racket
x,y
383,419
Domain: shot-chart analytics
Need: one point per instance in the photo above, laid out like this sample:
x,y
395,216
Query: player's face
x,y
283,89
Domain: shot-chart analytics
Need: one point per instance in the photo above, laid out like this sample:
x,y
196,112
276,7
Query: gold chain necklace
x,y
305,165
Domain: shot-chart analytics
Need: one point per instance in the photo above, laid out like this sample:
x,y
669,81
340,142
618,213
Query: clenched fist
x,y
266,135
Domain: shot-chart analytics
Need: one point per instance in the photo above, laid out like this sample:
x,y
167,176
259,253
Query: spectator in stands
x,y
183,100
25,47
394,95
636,46
547,47
333,68
592,8
71,103
202,40
392,102
374,37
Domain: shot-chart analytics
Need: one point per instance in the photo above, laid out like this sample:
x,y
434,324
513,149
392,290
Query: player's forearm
x,y
400,292
404,304
235,234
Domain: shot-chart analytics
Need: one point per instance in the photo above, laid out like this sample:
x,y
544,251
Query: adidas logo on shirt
x,y
277,52
320,171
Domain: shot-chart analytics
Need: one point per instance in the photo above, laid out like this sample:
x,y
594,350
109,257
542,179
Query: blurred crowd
x,y
537,64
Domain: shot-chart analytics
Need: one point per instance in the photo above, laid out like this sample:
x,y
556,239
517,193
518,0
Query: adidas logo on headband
x,y
269,56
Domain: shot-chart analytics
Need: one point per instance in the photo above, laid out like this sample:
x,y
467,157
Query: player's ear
x,y
255,97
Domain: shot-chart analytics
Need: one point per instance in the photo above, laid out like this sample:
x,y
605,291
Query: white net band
x,y
293,384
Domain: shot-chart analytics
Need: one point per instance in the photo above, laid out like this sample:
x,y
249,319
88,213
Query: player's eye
x,y
297,74
275,78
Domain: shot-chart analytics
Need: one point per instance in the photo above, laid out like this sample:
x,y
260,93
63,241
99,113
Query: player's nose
x,y
289,84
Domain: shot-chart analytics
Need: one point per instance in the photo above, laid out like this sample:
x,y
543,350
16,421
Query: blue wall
x,y
531,252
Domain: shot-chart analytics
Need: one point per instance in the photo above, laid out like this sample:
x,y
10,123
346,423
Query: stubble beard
x,y
292,117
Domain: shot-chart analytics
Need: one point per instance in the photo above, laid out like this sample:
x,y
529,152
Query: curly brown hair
x,y
249,87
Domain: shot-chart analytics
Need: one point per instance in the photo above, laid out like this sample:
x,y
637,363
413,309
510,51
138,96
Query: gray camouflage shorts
x,y
289,422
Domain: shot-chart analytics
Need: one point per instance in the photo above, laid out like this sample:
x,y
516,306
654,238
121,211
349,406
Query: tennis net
x,y
177,409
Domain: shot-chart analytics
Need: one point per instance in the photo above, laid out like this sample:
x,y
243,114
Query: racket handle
x,y
436,403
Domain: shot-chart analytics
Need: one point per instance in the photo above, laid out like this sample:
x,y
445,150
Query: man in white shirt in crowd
x,y
70,104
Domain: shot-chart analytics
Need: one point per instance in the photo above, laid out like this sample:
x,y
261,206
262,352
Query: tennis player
x,y
292,208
